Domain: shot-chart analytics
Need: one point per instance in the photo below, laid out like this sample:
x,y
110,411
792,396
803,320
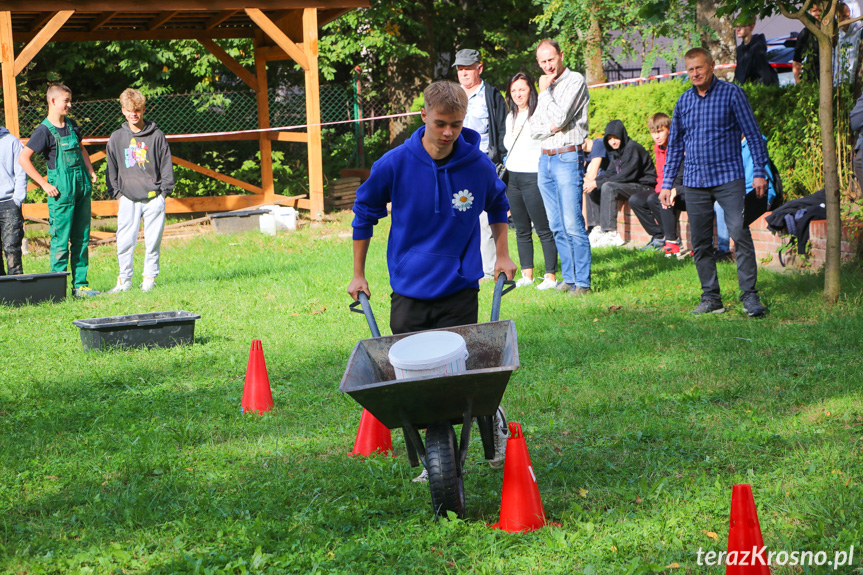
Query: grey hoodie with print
x,y
139,163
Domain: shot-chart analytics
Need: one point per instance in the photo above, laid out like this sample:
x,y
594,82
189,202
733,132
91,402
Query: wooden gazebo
x,y
280,29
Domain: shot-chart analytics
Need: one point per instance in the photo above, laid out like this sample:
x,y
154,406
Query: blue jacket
x,y
13,180
749,171
433,249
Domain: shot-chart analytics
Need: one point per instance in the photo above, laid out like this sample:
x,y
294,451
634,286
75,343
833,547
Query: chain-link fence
x,y
208,112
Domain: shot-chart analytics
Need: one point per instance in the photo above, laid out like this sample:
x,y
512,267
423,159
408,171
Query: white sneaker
x,y
501,434
547,284
524,282
608,239
422,477
122,285
594,235
148,284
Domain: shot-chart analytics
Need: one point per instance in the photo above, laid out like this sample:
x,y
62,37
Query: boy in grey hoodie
x,y
140,175
13,190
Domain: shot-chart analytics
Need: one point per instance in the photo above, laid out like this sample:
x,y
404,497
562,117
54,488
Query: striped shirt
x,y
562,104
709,128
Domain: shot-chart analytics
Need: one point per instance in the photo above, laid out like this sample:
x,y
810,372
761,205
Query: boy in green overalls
x,y
70,180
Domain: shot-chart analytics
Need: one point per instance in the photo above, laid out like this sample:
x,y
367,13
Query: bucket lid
x,y
427,350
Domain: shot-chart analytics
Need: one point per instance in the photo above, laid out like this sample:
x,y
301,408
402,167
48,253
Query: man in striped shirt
x,y
707,124
560,123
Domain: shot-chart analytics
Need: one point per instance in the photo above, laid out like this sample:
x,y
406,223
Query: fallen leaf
x,y
54,477
583,492
673,566
638,499
596,319
614,307
614,548
317,311
837,472
711,534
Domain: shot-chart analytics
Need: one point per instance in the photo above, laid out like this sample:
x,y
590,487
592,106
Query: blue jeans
x,y
560,180
723,240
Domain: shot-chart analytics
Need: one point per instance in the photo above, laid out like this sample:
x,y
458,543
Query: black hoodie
x,y
630,163
753,65
139,163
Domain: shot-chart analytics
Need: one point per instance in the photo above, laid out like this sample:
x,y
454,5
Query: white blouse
x,y
524,151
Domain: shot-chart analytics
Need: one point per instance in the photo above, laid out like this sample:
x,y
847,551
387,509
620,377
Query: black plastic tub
x,y
158,329
237,222
32,288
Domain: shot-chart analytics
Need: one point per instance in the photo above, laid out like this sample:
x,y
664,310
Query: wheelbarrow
x,y
437,402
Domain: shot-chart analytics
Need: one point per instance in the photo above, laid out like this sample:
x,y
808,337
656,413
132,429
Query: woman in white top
x,y
525,201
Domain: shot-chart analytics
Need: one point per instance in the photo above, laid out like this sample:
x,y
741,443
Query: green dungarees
x,y
69,211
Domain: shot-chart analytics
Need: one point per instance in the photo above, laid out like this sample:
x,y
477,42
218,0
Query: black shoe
x,y
723,257
709,306
752,304
654,244
579,291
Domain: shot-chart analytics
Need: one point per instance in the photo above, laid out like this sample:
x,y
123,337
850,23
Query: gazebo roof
x,y
164,19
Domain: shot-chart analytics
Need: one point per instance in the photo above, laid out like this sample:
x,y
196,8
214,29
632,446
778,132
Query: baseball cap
x,y
466,57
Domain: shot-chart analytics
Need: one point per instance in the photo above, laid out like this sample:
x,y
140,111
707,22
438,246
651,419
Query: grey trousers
x,y
129,216
486,246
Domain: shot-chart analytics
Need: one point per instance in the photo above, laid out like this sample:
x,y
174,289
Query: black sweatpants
x,y
409,314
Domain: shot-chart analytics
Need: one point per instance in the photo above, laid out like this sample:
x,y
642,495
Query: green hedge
x,y
788,116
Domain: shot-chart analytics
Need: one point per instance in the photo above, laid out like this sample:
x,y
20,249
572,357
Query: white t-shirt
x,y
523,151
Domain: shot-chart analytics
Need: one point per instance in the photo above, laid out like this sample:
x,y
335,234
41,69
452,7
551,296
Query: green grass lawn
x,y
639,418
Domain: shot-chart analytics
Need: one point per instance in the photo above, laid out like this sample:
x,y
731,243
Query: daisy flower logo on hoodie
x,y
462,200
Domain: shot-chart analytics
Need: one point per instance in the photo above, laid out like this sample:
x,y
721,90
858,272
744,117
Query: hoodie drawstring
x,y
448,186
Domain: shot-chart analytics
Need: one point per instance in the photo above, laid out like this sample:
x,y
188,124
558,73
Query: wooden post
x,y
267,181
7,69
313,112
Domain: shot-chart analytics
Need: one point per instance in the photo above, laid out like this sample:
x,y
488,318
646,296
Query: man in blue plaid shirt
x,y
707,125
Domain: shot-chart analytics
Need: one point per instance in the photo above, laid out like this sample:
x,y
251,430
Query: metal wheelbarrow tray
x,y
420,401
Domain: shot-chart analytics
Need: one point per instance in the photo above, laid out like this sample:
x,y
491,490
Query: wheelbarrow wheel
x,y
445,479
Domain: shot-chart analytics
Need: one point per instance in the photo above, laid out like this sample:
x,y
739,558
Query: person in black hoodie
x,y
140,175
630,171
752,62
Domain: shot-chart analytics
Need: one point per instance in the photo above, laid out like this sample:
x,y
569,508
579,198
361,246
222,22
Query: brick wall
x,y
766,243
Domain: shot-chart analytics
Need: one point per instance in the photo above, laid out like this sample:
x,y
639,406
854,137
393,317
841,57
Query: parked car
x,y
780,53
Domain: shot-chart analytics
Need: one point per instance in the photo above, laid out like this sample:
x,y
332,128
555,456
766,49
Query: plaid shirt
x,y
709,129
563,104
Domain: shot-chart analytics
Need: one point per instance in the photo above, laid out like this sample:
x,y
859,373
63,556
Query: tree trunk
x,y
833,259
717,35
409,76
593,50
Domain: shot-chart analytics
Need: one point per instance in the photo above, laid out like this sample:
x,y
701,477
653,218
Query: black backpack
x,y
776,179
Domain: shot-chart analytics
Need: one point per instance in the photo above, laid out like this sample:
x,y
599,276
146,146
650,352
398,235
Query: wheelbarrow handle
x,y
501,288
363,300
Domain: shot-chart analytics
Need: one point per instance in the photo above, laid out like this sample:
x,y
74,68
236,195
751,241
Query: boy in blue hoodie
x,y
13,190
439,182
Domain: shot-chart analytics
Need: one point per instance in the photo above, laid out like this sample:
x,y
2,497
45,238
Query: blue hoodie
x,y
433,249
749,171
13,179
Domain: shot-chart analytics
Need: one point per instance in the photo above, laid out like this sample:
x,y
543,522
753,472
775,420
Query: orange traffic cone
x,y
520,506
744,536
372,436
256,393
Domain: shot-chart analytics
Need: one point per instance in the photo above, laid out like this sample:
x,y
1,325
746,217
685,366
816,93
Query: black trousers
x,y
611,191
526,206
11,237
731,197
409,314
650,219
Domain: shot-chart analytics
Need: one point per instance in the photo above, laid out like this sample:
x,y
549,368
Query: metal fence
x,y
209,112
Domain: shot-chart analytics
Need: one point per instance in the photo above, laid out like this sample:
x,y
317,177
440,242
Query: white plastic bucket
x,y
279,218
429,353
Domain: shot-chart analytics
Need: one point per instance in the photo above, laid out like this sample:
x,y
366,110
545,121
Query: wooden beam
x,y
292,136
279,37
108,208
263,105
219,138
313,113
162,18
218,19
41,38
271,53
329,15
116,35
232,65
169,5
101,20
216,175
7,71
37,23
